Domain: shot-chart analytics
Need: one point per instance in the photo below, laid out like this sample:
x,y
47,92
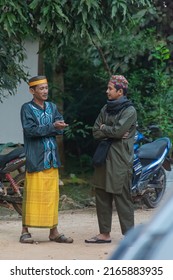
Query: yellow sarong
x,y
41,199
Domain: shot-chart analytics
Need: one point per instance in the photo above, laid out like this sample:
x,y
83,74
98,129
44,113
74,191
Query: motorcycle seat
x,y
153,150
16,153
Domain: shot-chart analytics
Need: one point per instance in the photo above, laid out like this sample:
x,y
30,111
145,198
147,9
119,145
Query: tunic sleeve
x,y
125,123
31,126
97,132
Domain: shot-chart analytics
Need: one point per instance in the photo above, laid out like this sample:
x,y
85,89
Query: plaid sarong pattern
x,y
41,199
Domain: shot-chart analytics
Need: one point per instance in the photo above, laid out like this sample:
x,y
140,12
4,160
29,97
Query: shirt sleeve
x,y
31,126
127,120
97,132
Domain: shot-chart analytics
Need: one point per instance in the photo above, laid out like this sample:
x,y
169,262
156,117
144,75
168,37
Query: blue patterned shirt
x,y
40,136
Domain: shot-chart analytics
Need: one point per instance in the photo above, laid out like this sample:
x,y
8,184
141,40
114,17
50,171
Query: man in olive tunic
x,y
112,181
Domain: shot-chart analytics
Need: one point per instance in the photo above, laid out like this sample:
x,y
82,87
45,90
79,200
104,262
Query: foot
x,y
53,233
100,238
61,238
26,238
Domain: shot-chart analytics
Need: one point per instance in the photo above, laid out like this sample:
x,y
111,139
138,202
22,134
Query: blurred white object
x,y
61,183
152,240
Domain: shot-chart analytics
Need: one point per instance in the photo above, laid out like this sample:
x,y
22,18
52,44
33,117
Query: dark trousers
x,y
124,206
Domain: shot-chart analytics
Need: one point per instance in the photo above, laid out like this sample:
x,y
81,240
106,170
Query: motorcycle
x,y
151,159
12,176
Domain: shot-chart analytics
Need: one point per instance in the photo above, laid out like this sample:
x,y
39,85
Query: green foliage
x,y
77,166
89,40
11,68
161,53
76,195
13,28
73,21
75,138
121,50
153,91
77,130
57,24
15,19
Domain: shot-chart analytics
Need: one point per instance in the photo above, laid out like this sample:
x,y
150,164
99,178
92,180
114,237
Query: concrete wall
x,y
10,125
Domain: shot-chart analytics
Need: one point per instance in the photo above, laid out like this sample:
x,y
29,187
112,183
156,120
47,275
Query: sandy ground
x,y
79,224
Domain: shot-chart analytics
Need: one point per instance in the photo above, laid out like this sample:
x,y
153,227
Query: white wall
x,y
10,125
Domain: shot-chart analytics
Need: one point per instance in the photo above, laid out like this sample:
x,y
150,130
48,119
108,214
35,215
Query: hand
x,y
60,124
102,125
125,136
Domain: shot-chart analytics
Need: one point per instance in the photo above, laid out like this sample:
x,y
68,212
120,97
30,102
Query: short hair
x,y
125,90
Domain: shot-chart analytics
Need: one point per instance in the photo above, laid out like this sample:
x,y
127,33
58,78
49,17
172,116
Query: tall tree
x,y
56,24
114,35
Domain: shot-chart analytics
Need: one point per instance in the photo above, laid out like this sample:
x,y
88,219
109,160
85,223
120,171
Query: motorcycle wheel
x,y
152,199
19,179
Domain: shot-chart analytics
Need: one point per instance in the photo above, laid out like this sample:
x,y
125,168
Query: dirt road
x,y
79,224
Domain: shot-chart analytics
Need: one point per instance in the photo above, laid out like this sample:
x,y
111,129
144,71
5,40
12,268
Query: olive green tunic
x,y
119,163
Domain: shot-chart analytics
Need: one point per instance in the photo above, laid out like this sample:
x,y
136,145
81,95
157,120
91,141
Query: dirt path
x,y
79,224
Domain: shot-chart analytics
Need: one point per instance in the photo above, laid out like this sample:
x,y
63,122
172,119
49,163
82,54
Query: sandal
x,y
61,238
97,240
26,238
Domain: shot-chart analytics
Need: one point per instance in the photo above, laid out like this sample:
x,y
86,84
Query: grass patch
x,y
76,193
